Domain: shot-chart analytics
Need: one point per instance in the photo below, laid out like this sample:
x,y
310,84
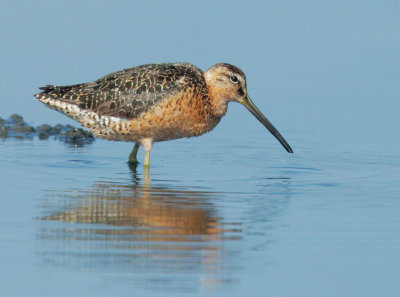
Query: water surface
x,y
217,216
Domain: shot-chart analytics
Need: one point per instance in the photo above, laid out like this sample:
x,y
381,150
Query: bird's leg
x,y
146,176
147,159
133,154
147,144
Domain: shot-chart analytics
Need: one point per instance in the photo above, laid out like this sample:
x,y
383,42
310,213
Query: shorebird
x,y
155,102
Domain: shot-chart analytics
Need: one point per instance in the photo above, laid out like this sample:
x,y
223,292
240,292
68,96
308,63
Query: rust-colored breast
x,y
185,114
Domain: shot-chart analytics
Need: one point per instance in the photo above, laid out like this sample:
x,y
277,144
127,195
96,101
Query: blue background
x,y
321,222
327,68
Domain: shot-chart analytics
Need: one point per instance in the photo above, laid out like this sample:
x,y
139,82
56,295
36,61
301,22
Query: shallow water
x,y
217,216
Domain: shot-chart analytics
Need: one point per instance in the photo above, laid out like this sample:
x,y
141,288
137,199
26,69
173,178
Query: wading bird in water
x,y
155,102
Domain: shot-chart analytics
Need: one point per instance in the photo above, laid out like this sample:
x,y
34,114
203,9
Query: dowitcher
x,y
155,102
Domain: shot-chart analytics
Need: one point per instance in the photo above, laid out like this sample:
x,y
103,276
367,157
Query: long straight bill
x,y
257,113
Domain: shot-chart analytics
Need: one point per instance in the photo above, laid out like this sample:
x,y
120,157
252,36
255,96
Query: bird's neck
x,y
219,103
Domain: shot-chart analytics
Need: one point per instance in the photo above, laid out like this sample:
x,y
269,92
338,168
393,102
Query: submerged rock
x,y
3,132
16,127
78,137
45,130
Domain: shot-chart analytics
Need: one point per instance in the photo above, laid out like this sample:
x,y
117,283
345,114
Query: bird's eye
x,y
234,79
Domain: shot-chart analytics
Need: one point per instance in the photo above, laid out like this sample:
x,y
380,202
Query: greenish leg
x,y
147,159
146,176
133,154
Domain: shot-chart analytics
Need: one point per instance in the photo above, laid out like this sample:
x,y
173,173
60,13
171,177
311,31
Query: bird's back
x,y
128,93
124,97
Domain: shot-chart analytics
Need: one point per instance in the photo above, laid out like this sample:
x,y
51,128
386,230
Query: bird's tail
x,y
55,91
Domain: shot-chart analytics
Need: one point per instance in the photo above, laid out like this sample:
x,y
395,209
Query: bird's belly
x,y
157,128
171,120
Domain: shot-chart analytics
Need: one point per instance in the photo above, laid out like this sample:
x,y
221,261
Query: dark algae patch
x,y
16,127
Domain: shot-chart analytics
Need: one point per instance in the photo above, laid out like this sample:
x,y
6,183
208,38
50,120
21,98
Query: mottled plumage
x,y
154,102
128,93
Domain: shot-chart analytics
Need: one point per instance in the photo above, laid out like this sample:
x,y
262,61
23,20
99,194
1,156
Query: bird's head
x,y
227,83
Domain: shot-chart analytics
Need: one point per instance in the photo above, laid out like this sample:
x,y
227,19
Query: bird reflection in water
x,y
157,231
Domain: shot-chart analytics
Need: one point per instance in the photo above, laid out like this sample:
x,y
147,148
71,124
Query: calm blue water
x,y
219,216
229,213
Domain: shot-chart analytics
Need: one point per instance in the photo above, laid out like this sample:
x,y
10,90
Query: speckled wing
x,y
129,92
